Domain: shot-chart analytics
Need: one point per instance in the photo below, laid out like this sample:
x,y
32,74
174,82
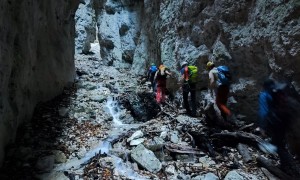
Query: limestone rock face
x,y
118,31
36,58
85,20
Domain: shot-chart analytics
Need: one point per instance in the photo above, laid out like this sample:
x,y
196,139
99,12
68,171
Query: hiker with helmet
x,y
276,110
161,80
219,82
189,79
150,76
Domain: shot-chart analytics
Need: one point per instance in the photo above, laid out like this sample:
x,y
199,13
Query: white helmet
x,y
183,63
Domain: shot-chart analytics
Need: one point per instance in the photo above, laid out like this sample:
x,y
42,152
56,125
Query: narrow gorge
x,y
75,102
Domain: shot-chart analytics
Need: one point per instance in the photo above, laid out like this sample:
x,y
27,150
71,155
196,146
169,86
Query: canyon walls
x,y
36,58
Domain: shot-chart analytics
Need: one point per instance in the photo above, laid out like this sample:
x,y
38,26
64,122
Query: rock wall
x,y
118,23
85,26
256,39
36,58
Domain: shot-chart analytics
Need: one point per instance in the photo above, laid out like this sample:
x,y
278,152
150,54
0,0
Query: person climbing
x,y
161,80
189,80
219,82
275,115
150,76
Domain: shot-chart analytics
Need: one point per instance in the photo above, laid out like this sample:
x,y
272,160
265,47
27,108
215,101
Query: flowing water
x,y
118,128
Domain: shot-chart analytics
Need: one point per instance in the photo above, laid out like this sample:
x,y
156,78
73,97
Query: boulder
x,y
146,159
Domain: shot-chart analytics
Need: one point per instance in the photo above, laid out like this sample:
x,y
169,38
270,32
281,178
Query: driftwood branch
x,y
273,169
243,150
181,149
240,136
246,126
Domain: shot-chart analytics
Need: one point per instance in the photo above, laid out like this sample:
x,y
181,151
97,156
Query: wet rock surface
x,y
91,132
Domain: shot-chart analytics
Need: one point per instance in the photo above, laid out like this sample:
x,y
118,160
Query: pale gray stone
x,y
146,158
135,135
136,141
208,176
170,170
239,175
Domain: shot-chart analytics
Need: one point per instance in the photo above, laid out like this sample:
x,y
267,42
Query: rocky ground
x,y
108,126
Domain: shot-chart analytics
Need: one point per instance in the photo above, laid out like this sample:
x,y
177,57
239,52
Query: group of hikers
x,y
275,107
219,81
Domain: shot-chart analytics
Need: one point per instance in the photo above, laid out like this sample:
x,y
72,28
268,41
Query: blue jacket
x,y
264,112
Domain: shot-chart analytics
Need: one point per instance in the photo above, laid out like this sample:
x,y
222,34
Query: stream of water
x,y
118,128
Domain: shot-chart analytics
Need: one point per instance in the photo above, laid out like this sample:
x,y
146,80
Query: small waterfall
x,y
123,168
114,110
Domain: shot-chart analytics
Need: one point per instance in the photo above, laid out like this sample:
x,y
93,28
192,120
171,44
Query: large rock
x,y
36,58
146,158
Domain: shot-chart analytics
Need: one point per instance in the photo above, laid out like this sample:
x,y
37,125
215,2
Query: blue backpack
x,y
224,76
153,69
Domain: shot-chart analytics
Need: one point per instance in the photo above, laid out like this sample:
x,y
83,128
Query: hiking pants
x,y
153,83
277,132
186,89
221,100
161,91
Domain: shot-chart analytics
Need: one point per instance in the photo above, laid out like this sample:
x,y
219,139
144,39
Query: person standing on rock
x,y
189,86
161,83
219,87
150,76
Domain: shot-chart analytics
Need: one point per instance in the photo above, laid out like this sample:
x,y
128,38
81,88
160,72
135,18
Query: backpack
x,y
153,69
161,72
224,76
193,73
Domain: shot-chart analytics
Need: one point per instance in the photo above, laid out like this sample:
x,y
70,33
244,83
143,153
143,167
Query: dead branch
x,y
246,126
240,136
181,149
273,169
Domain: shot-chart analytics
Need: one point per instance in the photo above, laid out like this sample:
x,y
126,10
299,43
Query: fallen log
x,y
240,137
273,169
181,149
243,150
